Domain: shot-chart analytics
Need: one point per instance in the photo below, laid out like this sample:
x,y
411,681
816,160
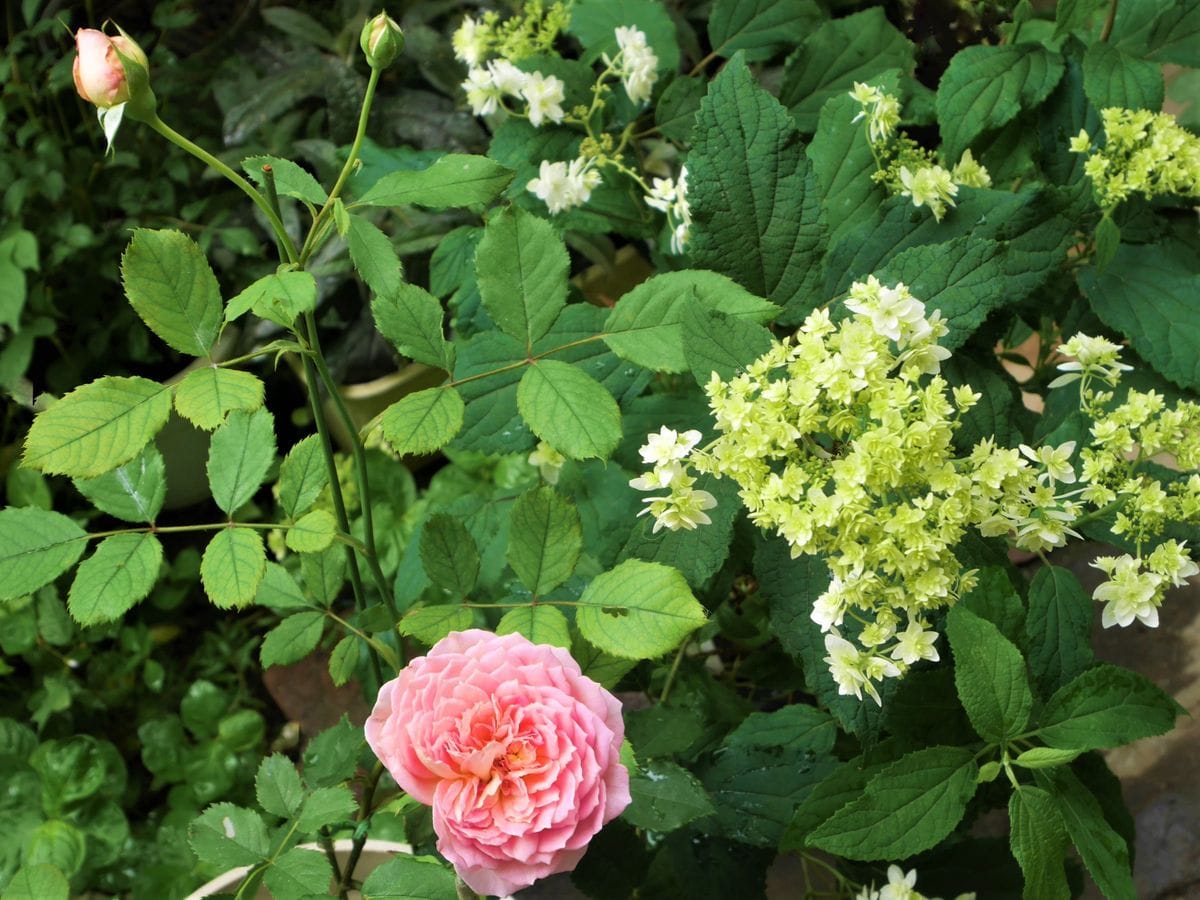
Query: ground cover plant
x,y
694,542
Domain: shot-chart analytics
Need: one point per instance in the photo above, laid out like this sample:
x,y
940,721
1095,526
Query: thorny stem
x,y
364,813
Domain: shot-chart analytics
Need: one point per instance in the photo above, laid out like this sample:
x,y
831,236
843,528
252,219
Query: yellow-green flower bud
x,y
381,41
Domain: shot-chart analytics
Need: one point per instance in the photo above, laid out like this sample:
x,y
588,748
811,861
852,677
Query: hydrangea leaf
x,y
989,672
908,806
837,789
1147,303
1160,30
170,285
1038,839
755,209
36,546
646,325
638,610
1114,78
666,796
1106,706
302,476
545,539
455,180
521,266
542,624
1058,629
239,455
38,881
760,27
97,427
411,319
232,567
208,394
569,409
290,179
837,54
986,87
424,421
292,639
120,573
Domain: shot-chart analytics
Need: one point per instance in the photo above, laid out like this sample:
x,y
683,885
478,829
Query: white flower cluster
x,y
670,197
900,887
882,111
1135,587
635,63
562,186
487,87
1095,357
684,506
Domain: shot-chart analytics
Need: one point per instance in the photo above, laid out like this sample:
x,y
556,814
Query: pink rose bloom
x,y
99,74
516,750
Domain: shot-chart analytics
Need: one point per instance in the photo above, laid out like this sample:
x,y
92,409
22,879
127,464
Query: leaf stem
x,y
1108,21
364,813
667,685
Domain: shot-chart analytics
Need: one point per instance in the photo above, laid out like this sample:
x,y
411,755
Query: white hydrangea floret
x,y
562,186
469,42
636,63
544,94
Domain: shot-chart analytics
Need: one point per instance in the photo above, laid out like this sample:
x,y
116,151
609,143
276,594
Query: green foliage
x,y
638,610
569,409
374,256
241,452
281,298
119,574
1114,78
545,541
449,555
424,421
1106,706
1038,840
1058,629
290,180
410,878
208,394
594,21
36,546
233,566
759,27
454,180
521,267
302,476
989,672
411,318
666,797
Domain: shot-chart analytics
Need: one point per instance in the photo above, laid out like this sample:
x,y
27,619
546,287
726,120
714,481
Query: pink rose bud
x,y
381,41
100,76
517,751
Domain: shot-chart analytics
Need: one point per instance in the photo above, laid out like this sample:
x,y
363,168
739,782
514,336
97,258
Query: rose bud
x,y
100,74
381,41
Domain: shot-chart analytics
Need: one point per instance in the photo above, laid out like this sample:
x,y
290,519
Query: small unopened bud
x,y
101,77
381,41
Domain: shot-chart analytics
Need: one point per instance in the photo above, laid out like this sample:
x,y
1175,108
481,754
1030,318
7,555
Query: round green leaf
x,y
232,567
312,533
569,409
424,421
639,610
208,394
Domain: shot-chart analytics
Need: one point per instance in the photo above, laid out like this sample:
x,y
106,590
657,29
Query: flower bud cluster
x,y
905,168
1144,153
534,30
841,442
900,886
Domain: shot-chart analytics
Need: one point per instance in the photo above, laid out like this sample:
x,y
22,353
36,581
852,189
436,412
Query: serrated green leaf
x,y
312,532
1045,758
569,409
638,610
449,554
302,476
1106,706
792,726
1146,304
429,624
1160,30
410,878
665,797
837,54
521,266
343,660
324,573
332,756
986,87
298,874
716,342
595,21
1103,851
424,421
676,111
760,27
325,806
118,575
1038,840
97,427
374,255
277,786
411,320
542,624
239,455
1114,78
1058,628
755,209
226,836
290,179
989,673
280,297
279,590
170,285
909,806
842,786
454,180
36,546
545,540
646,325
208,394
232,567
38,881
292,639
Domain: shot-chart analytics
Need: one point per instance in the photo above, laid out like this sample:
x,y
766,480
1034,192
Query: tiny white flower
x,y
900,886
544,94
469,42
844,664
506,77
915,644
549,462
482,93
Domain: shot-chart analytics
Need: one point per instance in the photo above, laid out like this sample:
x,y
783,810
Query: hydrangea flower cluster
x,y
900,886
905,168
670,196
1144,153
635,63
562,186
841,442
